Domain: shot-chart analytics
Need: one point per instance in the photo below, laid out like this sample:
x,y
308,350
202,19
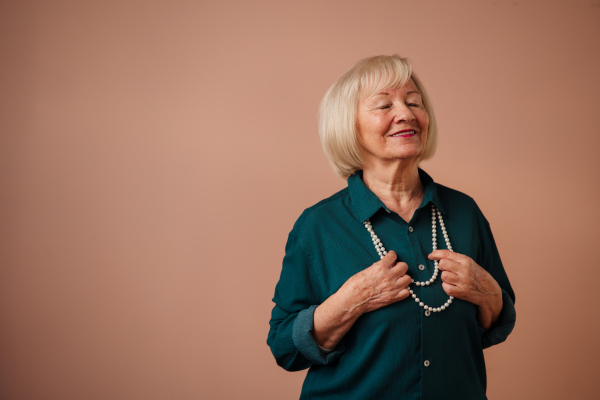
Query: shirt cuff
x,y
305,342
326,351
504,326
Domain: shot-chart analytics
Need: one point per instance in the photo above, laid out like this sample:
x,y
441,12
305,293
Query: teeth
x,y
404,133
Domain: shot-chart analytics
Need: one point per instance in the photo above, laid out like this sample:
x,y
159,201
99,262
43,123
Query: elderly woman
x,y
392,287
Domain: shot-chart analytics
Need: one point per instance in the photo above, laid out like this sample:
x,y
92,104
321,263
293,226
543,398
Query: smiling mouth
x,y
404,134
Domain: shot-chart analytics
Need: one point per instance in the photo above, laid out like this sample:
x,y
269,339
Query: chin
x,y
408,153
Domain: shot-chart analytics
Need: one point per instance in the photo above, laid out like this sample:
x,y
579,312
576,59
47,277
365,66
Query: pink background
x,y
154,156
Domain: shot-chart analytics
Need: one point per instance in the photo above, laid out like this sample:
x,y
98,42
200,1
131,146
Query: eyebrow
x,y
387,93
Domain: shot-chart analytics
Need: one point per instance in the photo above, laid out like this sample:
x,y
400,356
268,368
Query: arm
x,y
381,284
296,296
490,257
300,330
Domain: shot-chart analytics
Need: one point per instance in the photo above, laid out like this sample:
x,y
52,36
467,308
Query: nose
x,y
404,114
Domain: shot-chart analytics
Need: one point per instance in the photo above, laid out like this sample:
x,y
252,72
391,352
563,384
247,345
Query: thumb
x,y
389,259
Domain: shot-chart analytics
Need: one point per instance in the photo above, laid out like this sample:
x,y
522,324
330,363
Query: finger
x,y
402,294
389,259
447,254
399,268
450,277
451,290
450,265
403,281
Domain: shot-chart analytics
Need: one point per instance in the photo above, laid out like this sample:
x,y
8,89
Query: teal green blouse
x,y
396,352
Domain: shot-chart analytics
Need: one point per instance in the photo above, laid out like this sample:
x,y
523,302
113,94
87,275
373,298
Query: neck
x,y
398,187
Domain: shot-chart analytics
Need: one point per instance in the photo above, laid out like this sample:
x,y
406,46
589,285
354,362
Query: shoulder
x,y
461,205
331,207
455,201
447,194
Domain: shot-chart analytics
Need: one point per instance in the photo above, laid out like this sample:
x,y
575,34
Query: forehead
x,y
405,88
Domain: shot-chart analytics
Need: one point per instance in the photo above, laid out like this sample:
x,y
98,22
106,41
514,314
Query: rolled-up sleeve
x,y
504,326
305,342
297,295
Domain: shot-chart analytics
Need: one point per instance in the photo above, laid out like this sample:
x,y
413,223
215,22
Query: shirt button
x,y
426,363
410,229
421,267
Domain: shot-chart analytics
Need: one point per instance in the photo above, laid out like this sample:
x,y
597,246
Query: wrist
x,y
348,305
332,319
351,300
489,312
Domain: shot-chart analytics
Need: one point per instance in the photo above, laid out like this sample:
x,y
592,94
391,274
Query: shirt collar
x,y
364,203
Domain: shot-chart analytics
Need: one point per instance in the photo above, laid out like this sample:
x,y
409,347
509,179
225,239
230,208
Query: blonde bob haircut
x,y
338,128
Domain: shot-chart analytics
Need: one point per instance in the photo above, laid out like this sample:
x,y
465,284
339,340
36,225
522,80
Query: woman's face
x,y
392,124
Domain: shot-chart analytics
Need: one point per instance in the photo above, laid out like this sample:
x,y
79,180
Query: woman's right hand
x,y
383,283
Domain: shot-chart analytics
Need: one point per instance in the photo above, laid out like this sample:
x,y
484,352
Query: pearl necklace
x,y
435,215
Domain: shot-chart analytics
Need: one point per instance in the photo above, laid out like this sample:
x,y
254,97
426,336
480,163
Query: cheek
x,y
371,130
379,126
424,120
360,129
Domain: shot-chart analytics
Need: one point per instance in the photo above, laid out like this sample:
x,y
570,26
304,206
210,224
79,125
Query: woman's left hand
x,y
464,279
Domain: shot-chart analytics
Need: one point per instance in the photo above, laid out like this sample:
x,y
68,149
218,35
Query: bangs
x,y
383,73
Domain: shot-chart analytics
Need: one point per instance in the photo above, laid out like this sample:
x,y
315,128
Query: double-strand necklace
x,y
435,215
